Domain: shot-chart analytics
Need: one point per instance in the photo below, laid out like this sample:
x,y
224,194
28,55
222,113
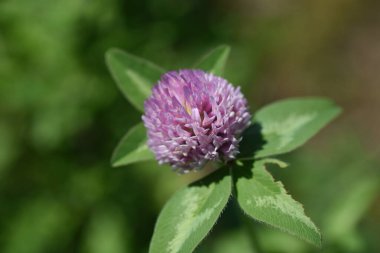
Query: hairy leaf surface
x,y
190,214
266,200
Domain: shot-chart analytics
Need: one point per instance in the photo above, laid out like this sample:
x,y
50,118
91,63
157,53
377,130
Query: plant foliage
x,y
276,129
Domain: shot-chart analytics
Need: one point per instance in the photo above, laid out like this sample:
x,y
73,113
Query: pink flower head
x,y
193,117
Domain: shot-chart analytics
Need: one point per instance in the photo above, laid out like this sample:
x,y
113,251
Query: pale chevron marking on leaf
x,y
141,146
279,163
287,128
190,218
281,201
276,201
144,86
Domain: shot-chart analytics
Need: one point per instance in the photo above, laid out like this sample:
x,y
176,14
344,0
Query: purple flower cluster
x,y
193,117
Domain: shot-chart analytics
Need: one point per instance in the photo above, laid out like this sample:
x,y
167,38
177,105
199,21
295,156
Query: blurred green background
x,y
61,115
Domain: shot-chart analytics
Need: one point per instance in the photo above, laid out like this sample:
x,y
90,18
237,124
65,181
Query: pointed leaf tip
x,y
215,60
285,125
133,75
266,200
132,148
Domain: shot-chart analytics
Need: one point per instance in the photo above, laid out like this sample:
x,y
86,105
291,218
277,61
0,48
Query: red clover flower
x,y
193,117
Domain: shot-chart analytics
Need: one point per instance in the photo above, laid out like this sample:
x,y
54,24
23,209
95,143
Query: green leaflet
x,y
285,125
267,201
190,214
134,76
215,60
132,148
